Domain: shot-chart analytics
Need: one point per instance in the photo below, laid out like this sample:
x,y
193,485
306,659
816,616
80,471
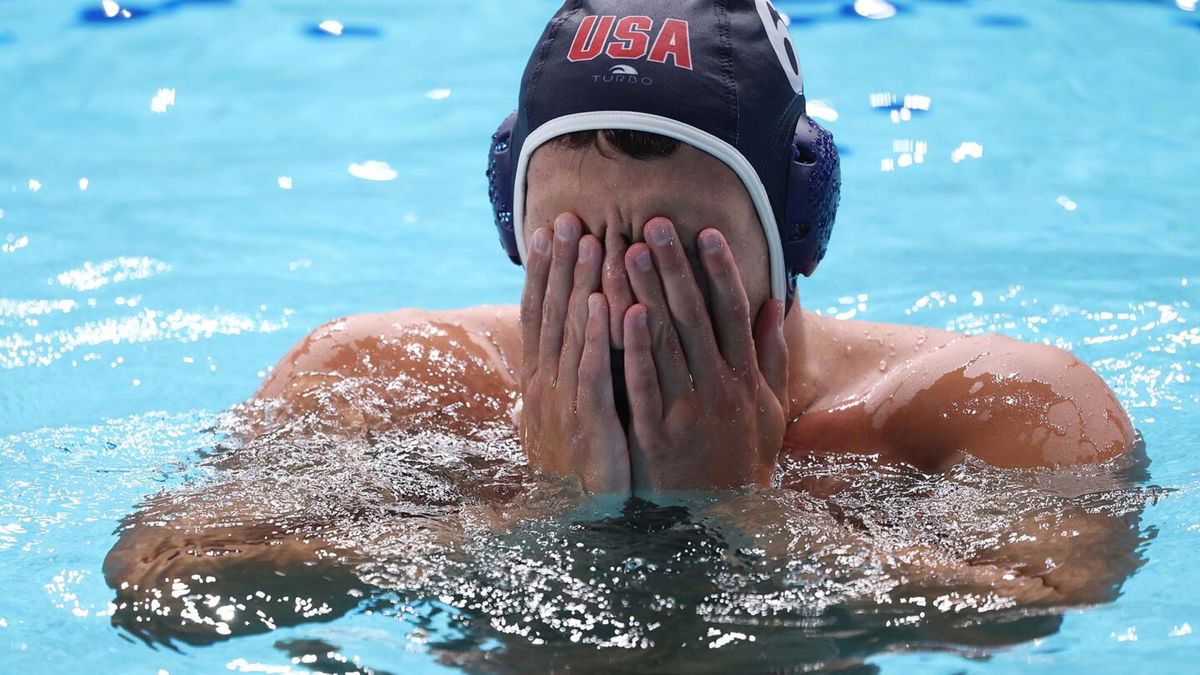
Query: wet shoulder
x,y
930,397
378,370
1010,403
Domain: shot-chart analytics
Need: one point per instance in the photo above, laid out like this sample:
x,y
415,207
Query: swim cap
x,y
721,76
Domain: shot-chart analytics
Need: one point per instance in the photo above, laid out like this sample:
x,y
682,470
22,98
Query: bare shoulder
x,y
1036,405
928,397
375,369
1008,402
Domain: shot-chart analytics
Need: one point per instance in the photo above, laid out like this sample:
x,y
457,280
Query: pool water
x,y
187,190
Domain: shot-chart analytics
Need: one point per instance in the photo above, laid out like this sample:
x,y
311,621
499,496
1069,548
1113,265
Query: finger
x,y
558,292
607,467
615,282
587,280
730,309
684,300
537,269
771,348
595,388
641,379
669,359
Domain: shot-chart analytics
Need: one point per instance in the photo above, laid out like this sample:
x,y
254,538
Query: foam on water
x,y
846,558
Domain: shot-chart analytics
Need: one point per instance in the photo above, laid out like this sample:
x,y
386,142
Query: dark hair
x,y
636,144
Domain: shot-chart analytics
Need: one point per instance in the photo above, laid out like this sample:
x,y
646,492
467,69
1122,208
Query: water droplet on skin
x,y
882,366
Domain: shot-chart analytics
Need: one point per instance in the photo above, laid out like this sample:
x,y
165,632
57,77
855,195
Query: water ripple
x,y
91,276
44,348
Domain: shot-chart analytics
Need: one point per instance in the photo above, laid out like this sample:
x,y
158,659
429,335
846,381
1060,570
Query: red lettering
x,y
673,41
633,38
590,38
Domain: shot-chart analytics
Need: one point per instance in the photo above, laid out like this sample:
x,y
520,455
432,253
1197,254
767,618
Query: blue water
x,y
133,311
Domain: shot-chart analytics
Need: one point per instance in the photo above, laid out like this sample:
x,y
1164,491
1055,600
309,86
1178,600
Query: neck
x,y
804,384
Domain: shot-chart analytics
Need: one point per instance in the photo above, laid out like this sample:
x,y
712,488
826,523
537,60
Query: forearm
x,y
1082,557
1045,537
199,583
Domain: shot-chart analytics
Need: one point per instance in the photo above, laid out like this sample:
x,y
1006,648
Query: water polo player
x,y
664,189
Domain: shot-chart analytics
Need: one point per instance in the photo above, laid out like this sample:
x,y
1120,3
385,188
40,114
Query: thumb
x,y
771,349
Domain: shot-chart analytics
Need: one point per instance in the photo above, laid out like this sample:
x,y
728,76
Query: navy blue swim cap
x,y
720,75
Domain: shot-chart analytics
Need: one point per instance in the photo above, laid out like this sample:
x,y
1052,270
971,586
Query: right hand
x,y
568,422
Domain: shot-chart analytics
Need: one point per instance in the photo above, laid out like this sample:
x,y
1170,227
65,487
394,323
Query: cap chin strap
x,y
636,121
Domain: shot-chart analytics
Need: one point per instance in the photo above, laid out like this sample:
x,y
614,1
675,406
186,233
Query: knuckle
x,y
558,266
582,268
689,314
721,268
729,394
572,335
550,335
582,286
552,310
588,373
693,310
662,336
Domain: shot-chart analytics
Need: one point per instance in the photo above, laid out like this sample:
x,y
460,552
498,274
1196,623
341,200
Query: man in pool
x,y
664,189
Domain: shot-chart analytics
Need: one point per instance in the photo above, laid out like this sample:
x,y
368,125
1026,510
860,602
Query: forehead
x,y
687,184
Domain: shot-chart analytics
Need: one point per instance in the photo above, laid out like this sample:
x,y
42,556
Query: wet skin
x,y
665,258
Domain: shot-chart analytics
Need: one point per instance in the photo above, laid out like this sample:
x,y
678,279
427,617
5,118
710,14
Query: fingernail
x,y
709,242
659,234
594,305
541,240
566,228
639,319
641,260
587,250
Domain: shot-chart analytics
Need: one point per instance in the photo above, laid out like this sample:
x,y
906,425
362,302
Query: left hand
x,y
707,393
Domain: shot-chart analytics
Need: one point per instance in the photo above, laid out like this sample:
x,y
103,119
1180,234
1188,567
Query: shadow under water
x,y
488,567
